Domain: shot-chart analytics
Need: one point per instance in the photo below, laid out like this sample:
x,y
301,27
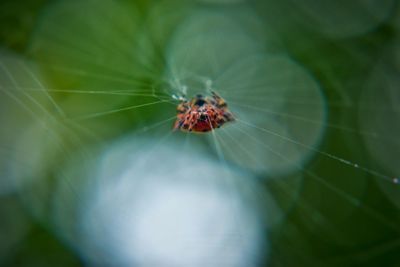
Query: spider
x,y
202,114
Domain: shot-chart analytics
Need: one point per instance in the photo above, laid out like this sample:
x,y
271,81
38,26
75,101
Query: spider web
x,y
312,162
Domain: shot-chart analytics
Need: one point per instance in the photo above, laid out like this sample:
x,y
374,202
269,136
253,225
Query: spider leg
x,y
186,124
182,108
220,120
220,102
177,124
192,121
228,116
210,122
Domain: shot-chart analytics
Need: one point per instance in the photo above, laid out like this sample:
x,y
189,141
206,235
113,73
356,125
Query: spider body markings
x,y
202,114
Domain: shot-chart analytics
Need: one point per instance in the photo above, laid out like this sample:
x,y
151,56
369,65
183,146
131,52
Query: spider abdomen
x,y
202,114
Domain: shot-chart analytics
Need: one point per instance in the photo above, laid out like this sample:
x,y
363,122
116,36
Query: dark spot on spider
x,y
203,117
185,126
200,102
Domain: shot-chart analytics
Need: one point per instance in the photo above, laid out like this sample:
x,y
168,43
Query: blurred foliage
x,y
322,228
18,19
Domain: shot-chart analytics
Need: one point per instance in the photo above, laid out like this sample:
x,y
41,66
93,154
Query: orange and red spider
x,y
202,114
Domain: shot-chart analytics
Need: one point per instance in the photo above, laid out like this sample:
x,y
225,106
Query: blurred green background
x,y
326,71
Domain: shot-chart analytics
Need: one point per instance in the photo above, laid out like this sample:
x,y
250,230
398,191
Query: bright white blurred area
x,y
150,204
